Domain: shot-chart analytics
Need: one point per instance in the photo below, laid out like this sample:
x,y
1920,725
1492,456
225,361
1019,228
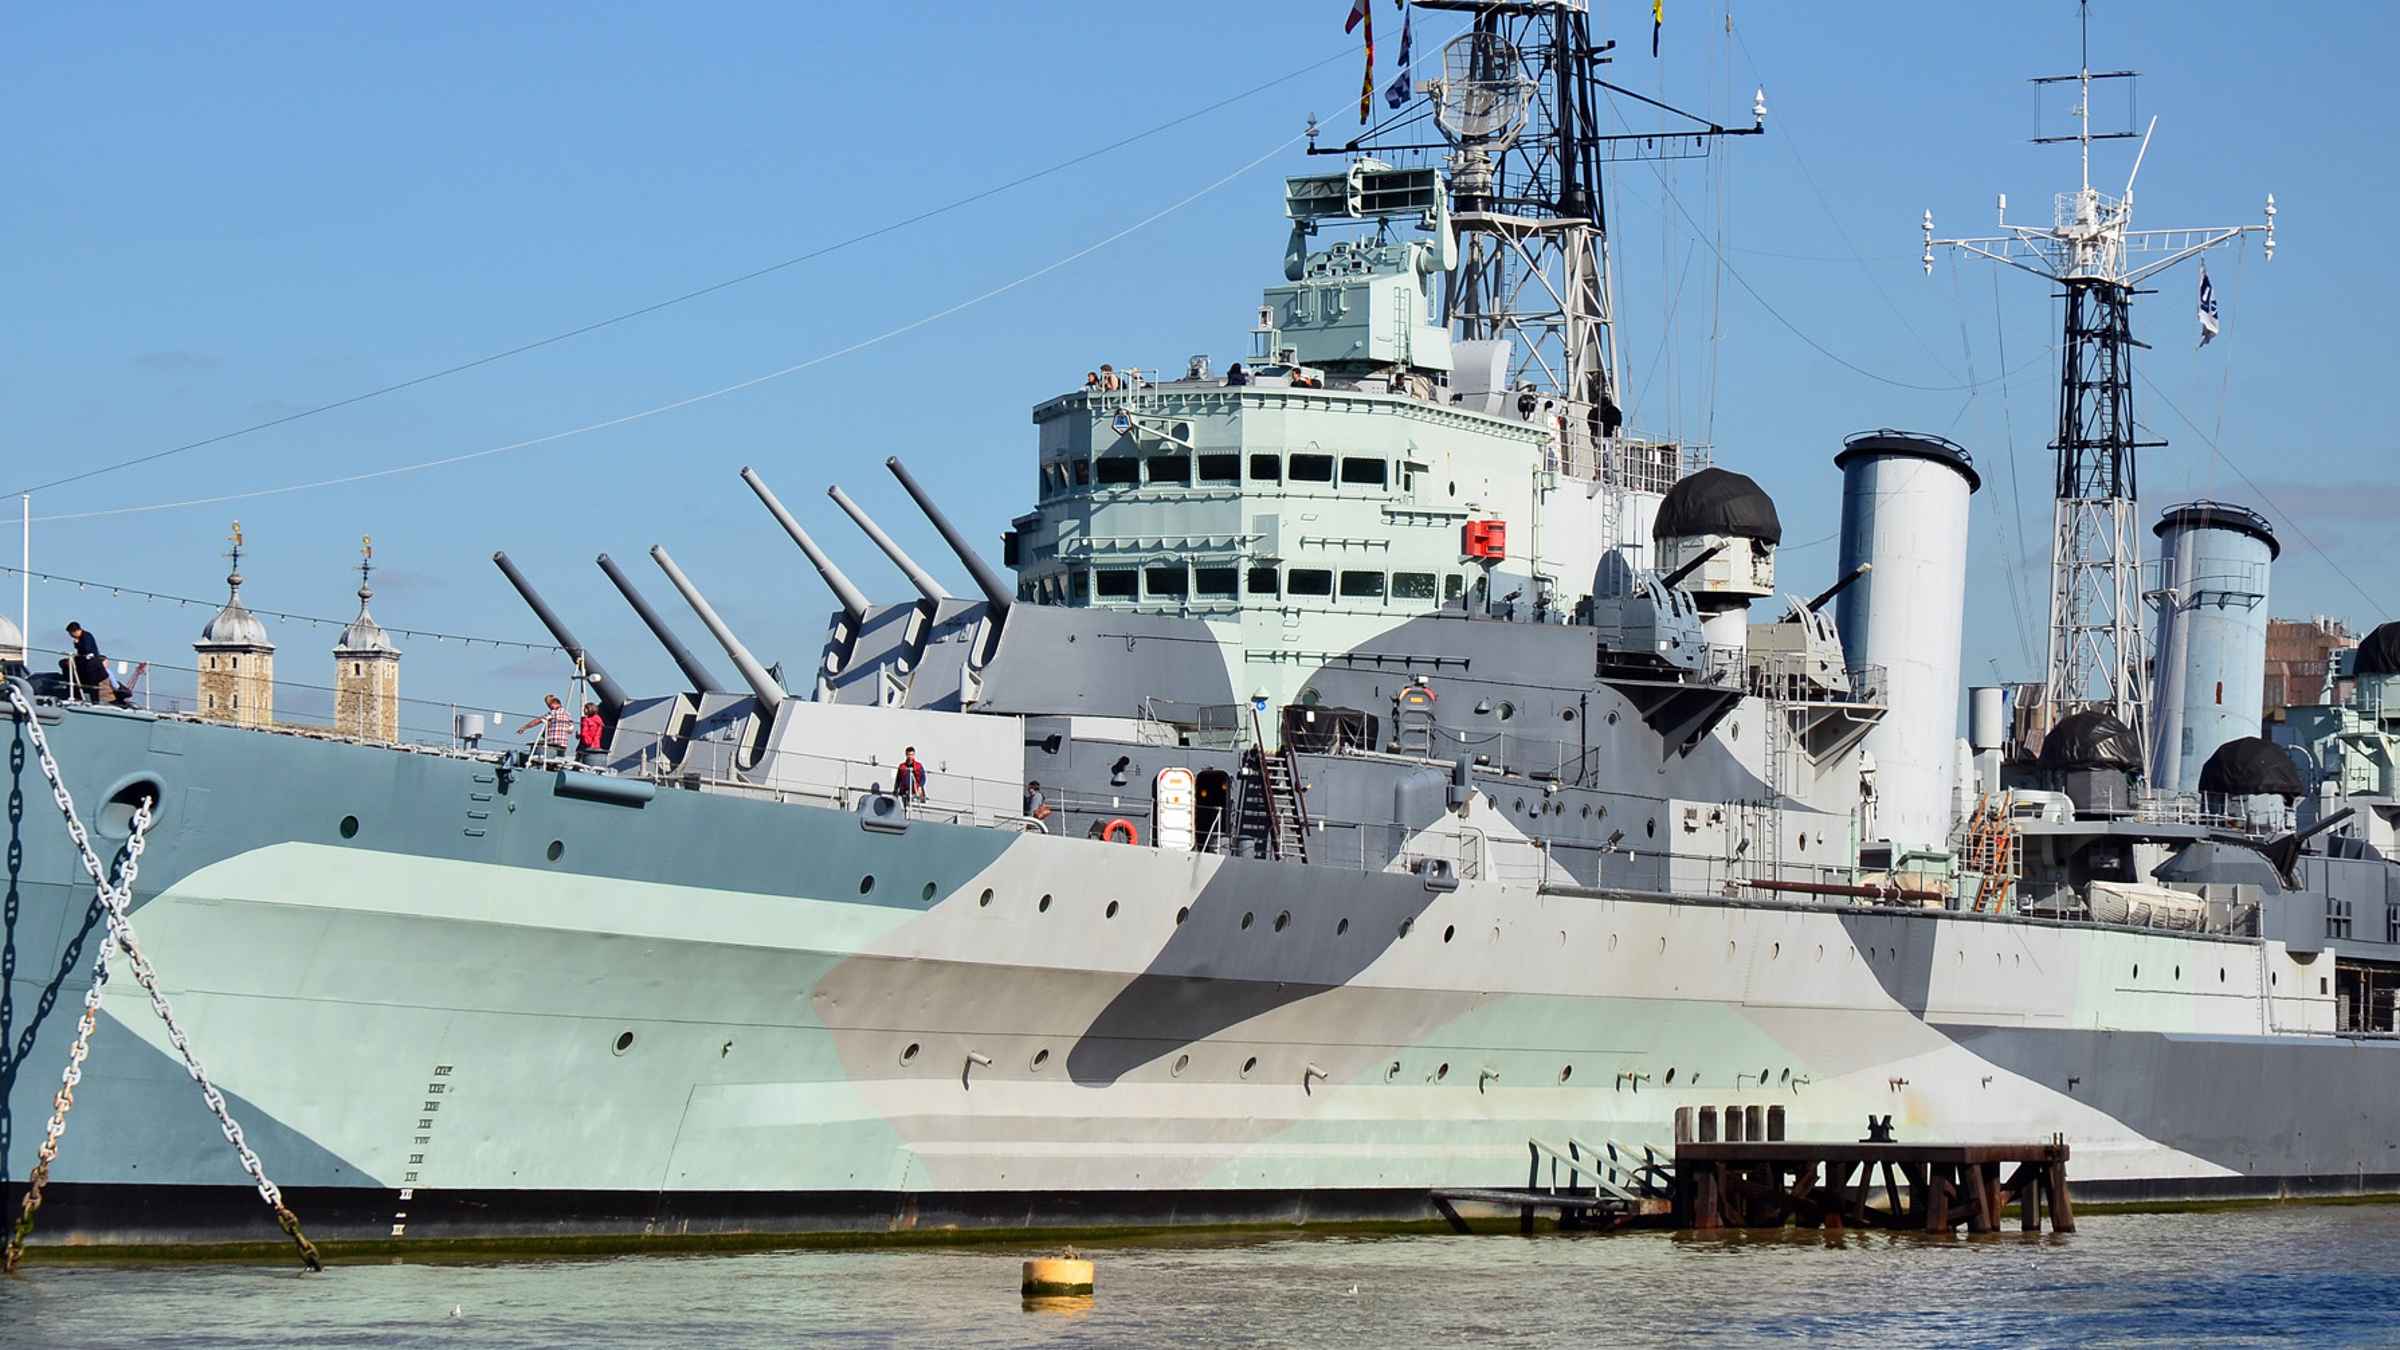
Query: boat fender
x,y
1120,831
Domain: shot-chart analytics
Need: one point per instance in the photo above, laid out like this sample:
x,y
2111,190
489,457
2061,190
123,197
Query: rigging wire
x,y
720,392
2288,518
712,288
2016,602
2022,576
117,589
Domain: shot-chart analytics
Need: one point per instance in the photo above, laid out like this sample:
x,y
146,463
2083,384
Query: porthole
x,y
1650,827
1787,1075
1182,1062
1820,951
1662,946
1044,906
2220,974
1612,942
2137,972
866,883
1670,1078
1804,841
1449,931
1249,1065
1762,1076
929,892
984,901
1341,928
1566,715
2178,972
1507,711
908,1055
556,851
349,827
1733,731
1405,925
1392,1072
1442,1072
1040,1058
624,1042
1182,914
1283,921
1565,1072
1775,951
1248,918
1110,912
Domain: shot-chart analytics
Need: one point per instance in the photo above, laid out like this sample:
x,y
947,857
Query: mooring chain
x,y
116,904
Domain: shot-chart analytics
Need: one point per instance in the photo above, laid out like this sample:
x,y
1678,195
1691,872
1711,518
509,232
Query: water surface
x,y
2317,1274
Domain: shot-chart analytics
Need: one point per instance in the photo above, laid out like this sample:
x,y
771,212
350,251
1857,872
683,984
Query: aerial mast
x,y
2090,250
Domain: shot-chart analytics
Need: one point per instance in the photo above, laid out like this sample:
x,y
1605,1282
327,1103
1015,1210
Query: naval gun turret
x,y
1800,655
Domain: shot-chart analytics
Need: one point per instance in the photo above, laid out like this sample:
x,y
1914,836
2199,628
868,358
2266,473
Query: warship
x,y
1380,762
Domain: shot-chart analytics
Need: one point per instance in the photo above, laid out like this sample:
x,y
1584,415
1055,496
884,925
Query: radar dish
x,y
1480,102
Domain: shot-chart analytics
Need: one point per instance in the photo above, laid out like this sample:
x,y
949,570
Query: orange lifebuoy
x,y
1109,832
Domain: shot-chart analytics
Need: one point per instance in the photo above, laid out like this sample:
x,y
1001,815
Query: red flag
x,y
1359,10
1366,87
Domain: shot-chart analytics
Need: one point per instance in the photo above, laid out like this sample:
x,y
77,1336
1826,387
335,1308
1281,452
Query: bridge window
x,y
1171,469
1167,583
1266,468
1310,580
1080,586
1362,585
1412,585
1119,583
1312,468
1453,586
1366,472
1119,471
1220,468
1215,583
1083,472
1263,581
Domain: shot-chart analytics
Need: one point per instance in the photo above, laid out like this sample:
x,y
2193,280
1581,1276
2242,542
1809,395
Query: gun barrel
x,y
612,697
1675,578
853,600
1825,597
702,681
770,694
917,576
986,580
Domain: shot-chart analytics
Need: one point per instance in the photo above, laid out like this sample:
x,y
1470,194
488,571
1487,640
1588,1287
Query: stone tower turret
x,y
237,661
366,668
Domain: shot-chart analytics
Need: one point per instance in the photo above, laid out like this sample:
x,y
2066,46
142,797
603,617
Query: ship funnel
x,y
770,694
917,576
612,697
702,681
986,580
853,600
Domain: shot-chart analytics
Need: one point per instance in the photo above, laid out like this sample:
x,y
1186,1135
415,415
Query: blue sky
x,y
219,215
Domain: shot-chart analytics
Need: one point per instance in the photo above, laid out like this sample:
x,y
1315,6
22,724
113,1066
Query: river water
x,y
2320,1275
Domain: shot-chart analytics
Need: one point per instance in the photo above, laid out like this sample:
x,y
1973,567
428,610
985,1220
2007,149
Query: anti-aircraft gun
x,y
1653,629
1801,653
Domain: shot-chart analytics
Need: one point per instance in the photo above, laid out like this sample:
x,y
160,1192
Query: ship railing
x,y
2215,810
301,707
1791,677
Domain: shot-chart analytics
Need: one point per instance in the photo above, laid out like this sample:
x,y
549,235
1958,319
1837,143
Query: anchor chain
x,y
116,905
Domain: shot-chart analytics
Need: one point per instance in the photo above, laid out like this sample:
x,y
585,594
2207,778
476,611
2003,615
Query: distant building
x,y
366,669
2299,661
237,661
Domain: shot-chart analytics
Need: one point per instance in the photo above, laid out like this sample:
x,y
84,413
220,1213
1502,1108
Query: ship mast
x,y
1517,107
2092,253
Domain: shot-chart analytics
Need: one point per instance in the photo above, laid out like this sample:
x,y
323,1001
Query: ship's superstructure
x,y
1339,800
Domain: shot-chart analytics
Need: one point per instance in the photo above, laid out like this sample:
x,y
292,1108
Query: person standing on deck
x,y
558,728
908,780
587,735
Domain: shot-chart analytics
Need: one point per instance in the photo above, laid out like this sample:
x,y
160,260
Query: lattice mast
x,y
1518,108
2097,658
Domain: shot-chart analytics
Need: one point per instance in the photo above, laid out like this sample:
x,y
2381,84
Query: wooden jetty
x,y
1610,1186
1933,1187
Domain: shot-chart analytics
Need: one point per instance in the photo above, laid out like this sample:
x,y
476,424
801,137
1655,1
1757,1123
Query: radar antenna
x,y
2090,250
1518,107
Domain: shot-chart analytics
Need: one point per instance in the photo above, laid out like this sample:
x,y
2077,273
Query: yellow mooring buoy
x,y
1057,1276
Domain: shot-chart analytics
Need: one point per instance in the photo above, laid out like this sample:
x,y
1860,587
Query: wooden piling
x,y
1759,1182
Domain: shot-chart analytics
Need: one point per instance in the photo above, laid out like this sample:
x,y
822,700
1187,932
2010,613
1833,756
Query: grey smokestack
x,y
917,576
770,694
702,681
986,580
853,600
612,698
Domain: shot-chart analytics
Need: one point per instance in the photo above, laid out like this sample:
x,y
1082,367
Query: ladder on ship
x,y
1271,819
1991,850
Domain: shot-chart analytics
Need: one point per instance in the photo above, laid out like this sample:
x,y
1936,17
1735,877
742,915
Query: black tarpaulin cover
x,y
2380,653
1718,501
2091,739
2251,766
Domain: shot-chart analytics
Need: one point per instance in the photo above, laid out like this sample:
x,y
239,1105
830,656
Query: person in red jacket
x,y
587,735
908,780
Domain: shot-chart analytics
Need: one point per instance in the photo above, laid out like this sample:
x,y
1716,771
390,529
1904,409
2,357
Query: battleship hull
x,y
449,1000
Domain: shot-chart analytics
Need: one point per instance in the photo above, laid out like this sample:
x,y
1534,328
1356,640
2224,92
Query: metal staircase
x,y
1271,822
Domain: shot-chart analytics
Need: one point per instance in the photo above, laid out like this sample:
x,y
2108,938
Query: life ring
x,y
1109,832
